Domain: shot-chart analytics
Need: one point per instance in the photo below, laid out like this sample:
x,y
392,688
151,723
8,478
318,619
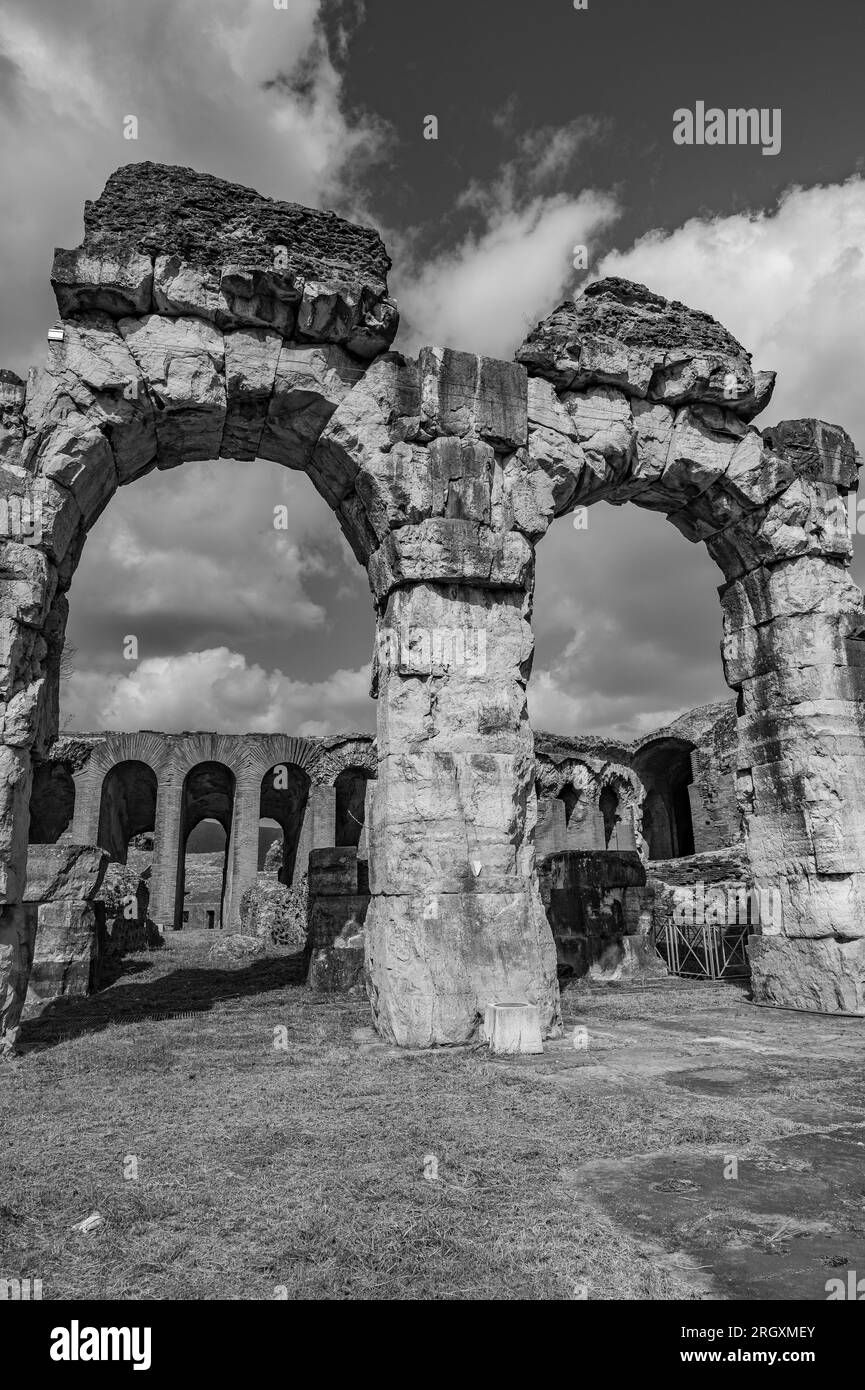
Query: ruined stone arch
x,y
351,787
359,753
283,798
184,337
636,398
255,755
665,769
208,791
52,802
127,805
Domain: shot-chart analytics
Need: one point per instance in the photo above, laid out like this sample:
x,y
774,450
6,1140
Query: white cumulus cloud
x,y
217,689
789,283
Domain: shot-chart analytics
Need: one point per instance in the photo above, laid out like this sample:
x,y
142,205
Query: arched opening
x,y
204,876
626,626
207,807
269,844
52,802
657,830
127,806
664,767
350,805
570,798
608,805
283,802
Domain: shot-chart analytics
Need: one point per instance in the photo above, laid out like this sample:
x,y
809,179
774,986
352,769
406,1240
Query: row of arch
x,y
128,810
129,793
593,819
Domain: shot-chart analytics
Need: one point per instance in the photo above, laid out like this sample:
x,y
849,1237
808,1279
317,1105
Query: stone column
x,y
790,640
242,850
88,801
586,828
551,829
167,848
319,826
794,649
456,921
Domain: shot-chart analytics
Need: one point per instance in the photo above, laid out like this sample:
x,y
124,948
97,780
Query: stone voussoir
x,y
444,551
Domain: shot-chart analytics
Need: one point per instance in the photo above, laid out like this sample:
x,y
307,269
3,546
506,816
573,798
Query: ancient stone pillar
x,y
319,826
88,800
793,648
586,827
242,849
551,831
167,849
456,922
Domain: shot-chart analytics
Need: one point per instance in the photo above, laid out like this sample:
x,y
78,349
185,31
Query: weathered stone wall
x,y
337,909
67,925
585,894
587,765
199,319
711,729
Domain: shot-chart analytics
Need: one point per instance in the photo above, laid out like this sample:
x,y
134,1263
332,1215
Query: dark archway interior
x,y
208,794
608,804
284,797
657,827
570,798
127,807
52,802
350,804
664,768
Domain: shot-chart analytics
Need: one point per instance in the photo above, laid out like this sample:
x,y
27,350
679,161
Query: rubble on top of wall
x,y
618,333
241,261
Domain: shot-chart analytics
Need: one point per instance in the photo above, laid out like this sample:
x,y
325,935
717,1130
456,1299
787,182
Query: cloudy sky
x,y
554,128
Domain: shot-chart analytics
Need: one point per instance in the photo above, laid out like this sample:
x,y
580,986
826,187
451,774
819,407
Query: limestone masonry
x,y
201,320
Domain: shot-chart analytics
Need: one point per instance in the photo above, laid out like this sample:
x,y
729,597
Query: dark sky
x,y
555,127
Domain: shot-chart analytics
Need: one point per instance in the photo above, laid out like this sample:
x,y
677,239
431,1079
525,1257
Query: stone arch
x,y
334,757
52,802
283,798
568,815
200,319
664,767
636,398
351,788
208,794
608,805
127,806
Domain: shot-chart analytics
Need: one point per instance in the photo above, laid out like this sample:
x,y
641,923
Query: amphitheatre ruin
x,y
475,861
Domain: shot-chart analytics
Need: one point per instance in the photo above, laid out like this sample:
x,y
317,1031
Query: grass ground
x,y
263,1171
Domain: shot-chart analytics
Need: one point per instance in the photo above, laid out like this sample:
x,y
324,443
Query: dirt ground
x,y
240,1138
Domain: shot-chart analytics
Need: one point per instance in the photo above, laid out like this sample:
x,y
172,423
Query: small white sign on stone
x,y
512,1028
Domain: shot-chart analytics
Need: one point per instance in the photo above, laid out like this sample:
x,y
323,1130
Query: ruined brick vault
x,y
199,319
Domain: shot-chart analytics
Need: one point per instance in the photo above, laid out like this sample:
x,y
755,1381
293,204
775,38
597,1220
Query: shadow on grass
x,y
188,990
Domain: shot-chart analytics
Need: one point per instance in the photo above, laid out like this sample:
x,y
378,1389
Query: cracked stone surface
x,y
201,319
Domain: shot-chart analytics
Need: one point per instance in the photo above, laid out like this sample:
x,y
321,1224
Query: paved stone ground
x,y
794,1216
